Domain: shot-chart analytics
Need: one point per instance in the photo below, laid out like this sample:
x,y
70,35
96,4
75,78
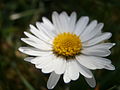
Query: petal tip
x,y
114,44
54,13
20,49
22,39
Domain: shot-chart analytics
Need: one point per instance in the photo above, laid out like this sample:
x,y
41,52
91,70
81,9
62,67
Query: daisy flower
x,y
69,47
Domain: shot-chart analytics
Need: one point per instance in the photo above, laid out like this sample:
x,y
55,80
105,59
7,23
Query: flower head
x,y
69,47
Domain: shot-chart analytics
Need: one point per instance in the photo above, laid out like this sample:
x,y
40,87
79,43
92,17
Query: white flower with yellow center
x,y
68,47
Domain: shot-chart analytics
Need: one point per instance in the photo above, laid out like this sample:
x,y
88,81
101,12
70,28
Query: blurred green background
x,y
15,17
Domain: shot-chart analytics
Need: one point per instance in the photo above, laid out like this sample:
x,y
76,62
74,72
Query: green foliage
x,y
15,17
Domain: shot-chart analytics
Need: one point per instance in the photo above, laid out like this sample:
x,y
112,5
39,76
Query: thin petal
x,y
33,51
39,34
110,67
31,36
52,81
37,43
66,77
48,23
89,28
50,33
96,52
106,45
64,22
93,62
81,24
35,38
42,28
30,42
96,40
89,34
101,46
28,59
91,81
73,70
72,21
56,22
91,31
84,71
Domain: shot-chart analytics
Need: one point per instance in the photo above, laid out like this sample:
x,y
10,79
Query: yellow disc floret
x,y
67,44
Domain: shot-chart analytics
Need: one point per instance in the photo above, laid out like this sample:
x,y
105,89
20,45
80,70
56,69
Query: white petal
x,y
50,63
82,60
49,67
31,36
49,26
91,81
39,34
30,42
64,22
35,38
66,77
52,81
81,24
101,46
33,51
37,43
72,21
84,71
73,70
106,45
110,67
56,22
59,65
96,52
50,33
48,23
89,28
91,31
28,59
46,64
91,34
93,62
42,28
41,61
98,39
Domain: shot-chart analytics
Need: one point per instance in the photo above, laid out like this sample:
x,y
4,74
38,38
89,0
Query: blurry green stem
x,y
24,14
27,84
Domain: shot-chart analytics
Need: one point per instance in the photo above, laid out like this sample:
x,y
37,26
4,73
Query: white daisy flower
x,y
69,47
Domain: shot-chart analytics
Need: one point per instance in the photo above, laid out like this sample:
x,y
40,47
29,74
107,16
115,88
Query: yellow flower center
x,y
67,44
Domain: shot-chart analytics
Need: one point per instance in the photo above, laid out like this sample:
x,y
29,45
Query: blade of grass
x,y
26,83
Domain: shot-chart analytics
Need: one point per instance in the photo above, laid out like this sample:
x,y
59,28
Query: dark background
x,y
16,74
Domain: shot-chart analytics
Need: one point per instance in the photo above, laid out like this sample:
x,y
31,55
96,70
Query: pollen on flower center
x,y
67,44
